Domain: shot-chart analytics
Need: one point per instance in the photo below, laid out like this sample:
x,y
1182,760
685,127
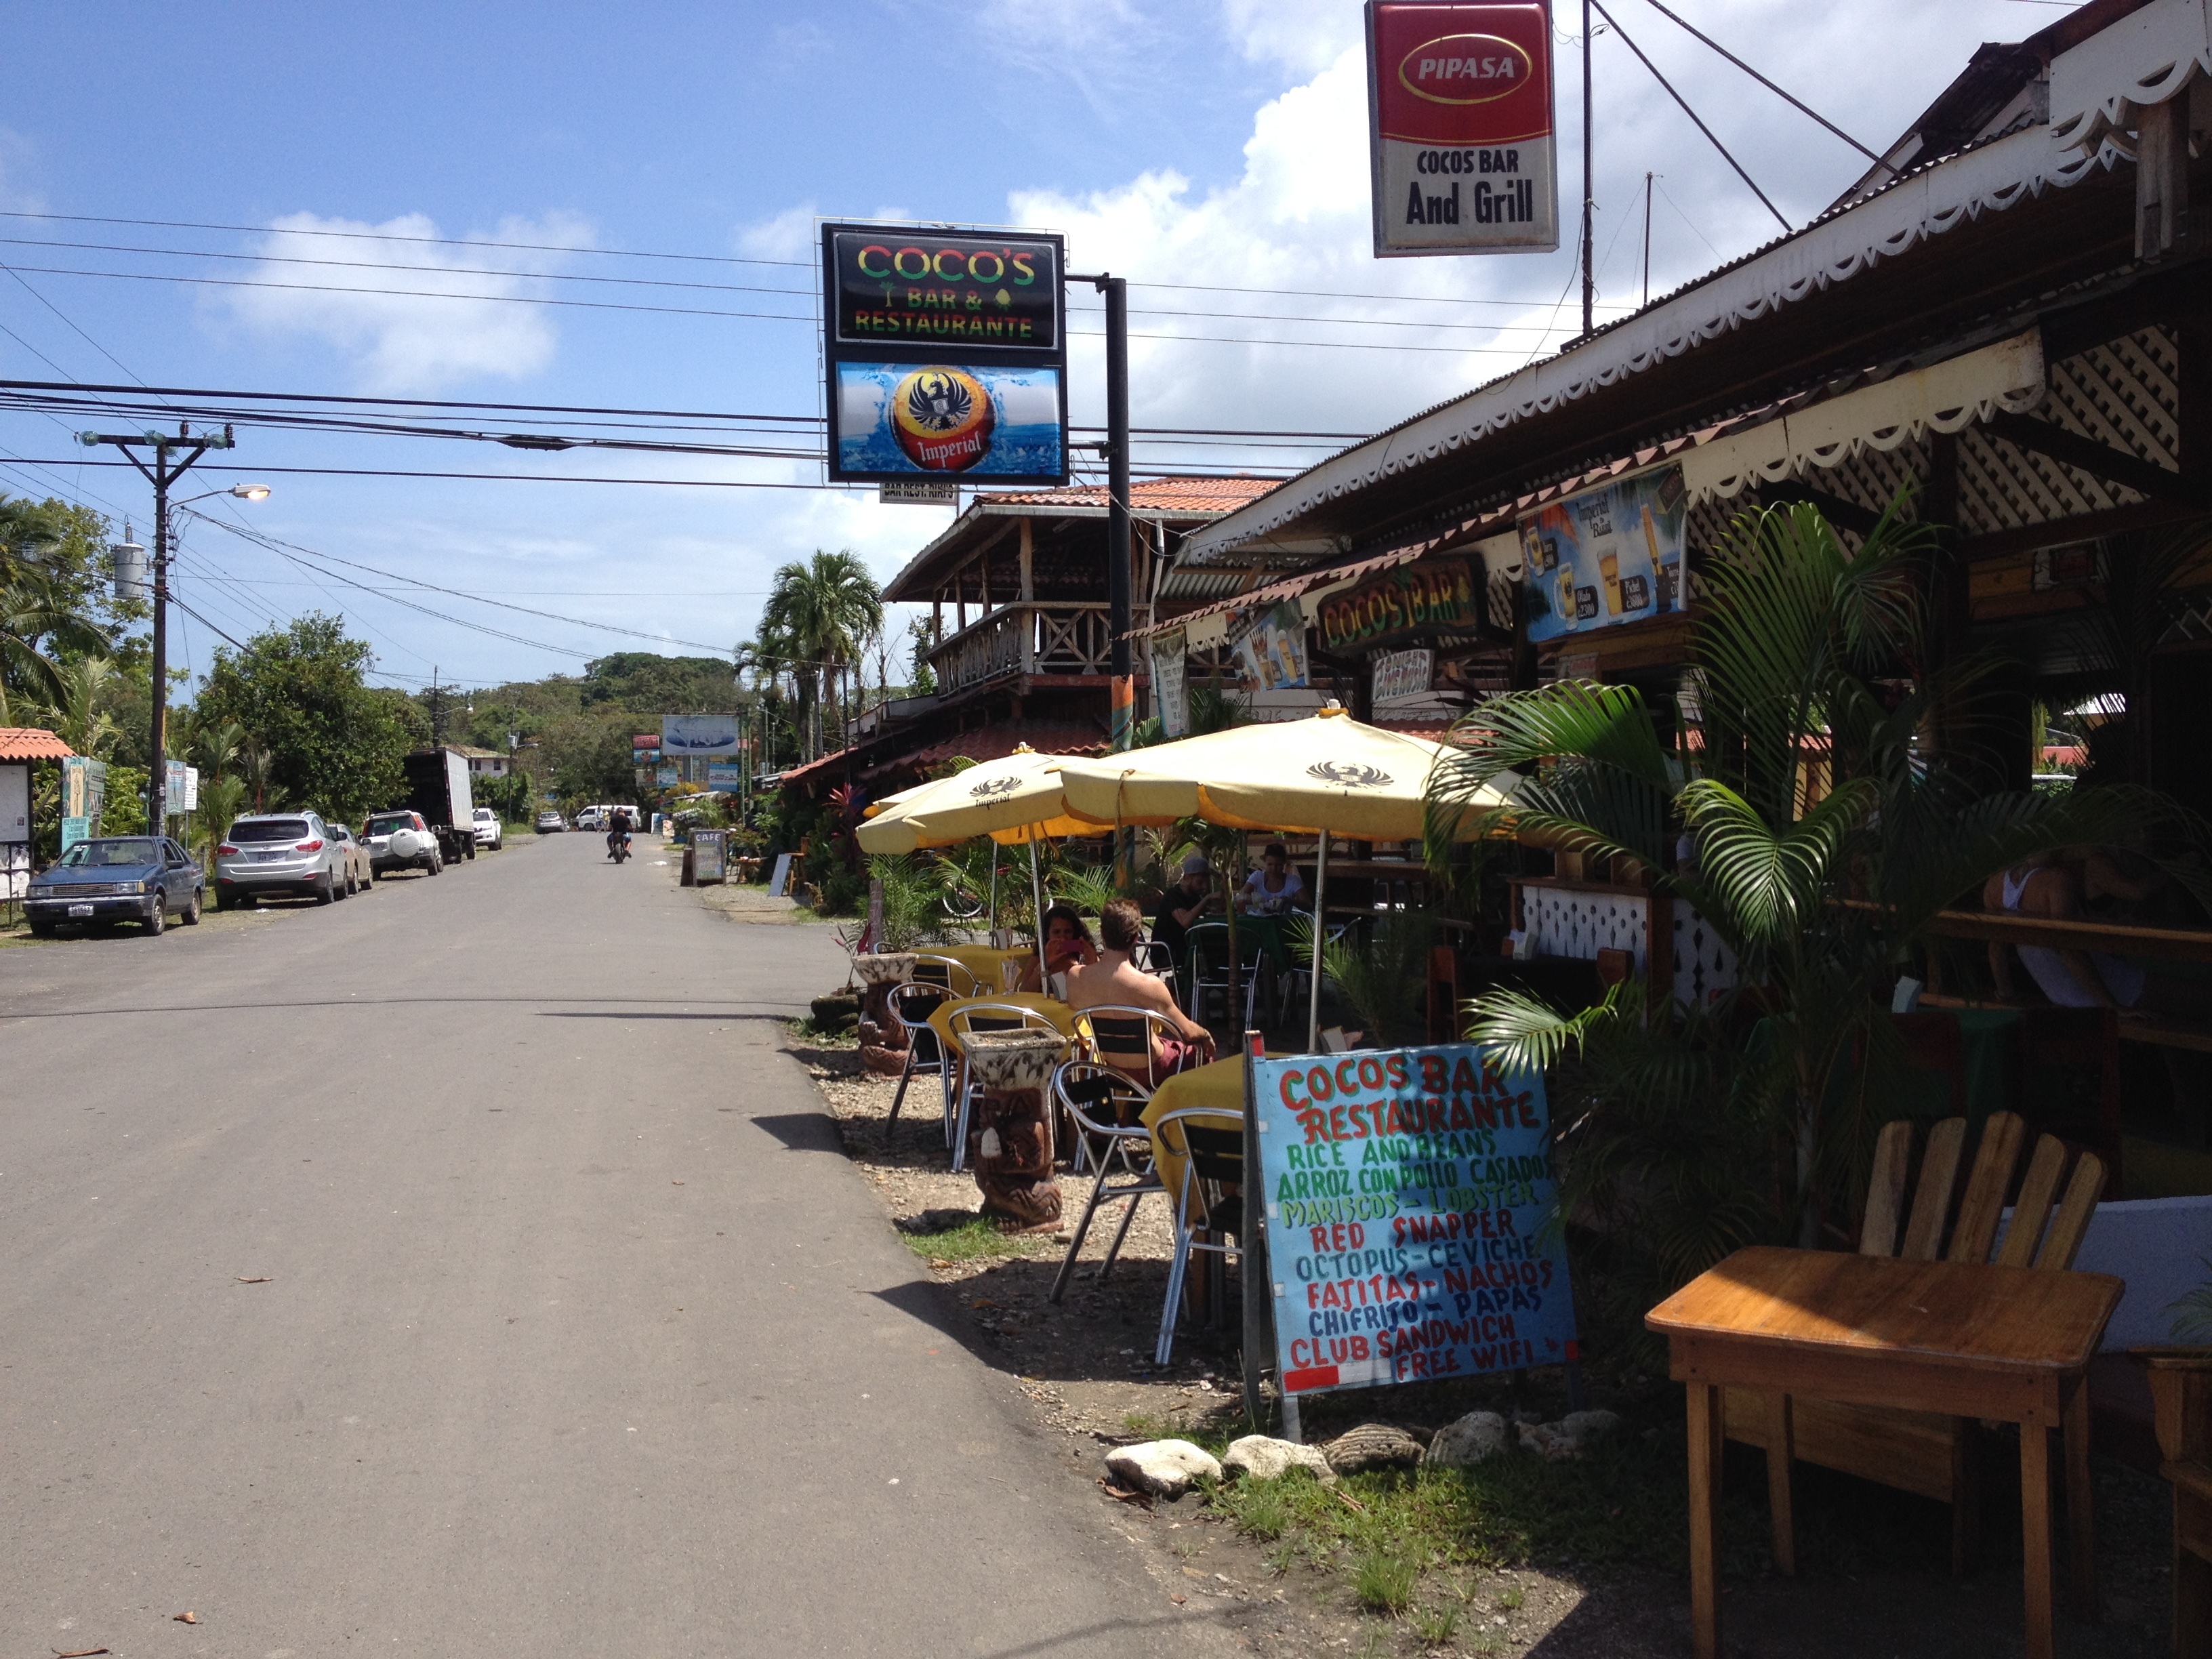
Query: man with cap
x,y
1182,906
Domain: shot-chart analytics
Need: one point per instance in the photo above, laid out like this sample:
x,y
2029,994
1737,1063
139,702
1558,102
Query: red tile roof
x,y
29,742
996,742
1194,494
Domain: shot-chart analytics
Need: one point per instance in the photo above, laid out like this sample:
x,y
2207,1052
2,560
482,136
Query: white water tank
x,y
129,569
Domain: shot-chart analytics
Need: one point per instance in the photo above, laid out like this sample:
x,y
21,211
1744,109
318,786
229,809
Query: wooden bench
x,y
1925,1452
2181,1408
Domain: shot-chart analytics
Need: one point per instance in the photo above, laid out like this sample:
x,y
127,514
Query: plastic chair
x,y
965,1022
911,1005
1105,1104
949,972
1214,1163
1121,1036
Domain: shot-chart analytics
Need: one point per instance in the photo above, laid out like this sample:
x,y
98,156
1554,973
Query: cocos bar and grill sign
x,y
1459,101
1409,1203
945,354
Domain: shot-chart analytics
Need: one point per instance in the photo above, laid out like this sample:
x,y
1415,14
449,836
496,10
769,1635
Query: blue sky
x,y
1217,142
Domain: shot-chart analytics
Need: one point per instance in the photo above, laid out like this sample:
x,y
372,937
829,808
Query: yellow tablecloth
x,y
1219,1085
1061,1016
983,960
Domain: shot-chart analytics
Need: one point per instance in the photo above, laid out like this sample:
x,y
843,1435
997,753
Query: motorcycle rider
x,y
618,837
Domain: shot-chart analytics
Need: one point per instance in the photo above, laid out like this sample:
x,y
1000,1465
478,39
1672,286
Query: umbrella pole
x,y
1036,897
1313,976
991,926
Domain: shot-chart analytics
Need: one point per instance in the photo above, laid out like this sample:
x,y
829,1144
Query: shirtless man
x,y
1114,980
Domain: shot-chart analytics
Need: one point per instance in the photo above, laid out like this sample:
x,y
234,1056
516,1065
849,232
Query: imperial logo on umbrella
x,y
1353,774
995,786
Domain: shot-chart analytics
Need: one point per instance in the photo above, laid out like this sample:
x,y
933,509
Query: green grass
x,y
1621,1503
974,1239
1383,1582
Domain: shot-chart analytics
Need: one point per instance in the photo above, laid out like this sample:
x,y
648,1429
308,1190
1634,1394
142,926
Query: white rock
x,y
1265,1458
1163,1467
1472,1439
1590,1425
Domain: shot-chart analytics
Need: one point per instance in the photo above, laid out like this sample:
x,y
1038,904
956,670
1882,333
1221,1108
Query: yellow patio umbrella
x,y
1329,774
1014,800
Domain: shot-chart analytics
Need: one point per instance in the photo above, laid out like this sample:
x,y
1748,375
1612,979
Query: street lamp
x,y
166,469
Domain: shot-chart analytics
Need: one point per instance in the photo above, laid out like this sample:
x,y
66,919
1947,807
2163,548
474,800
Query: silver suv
x,y
273,854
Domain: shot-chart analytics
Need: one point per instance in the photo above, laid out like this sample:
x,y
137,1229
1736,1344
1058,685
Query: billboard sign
x,y
1460,137
945,354
1609,555
698,734
1411,1227
1432,596
84,794
731,778
1272,651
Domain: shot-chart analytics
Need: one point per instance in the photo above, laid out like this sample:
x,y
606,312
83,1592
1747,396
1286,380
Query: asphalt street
x,y
463,1268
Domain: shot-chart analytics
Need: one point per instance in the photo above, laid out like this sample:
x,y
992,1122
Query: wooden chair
x,y
1615,966
2181,1408
1923,1452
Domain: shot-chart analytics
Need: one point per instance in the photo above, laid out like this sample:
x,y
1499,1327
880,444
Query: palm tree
x,y
38,616
815,623
78,719
1803,653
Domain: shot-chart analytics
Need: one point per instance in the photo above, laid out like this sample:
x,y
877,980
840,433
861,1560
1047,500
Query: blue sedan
x,y
141,879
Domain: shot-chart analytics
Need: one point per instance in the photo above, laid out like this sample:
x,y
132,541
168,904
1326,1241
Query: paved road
x,y
578,1336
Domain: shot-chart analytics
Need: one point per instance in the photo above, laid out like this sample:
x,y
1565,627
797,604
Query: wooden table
x,y
1964,1339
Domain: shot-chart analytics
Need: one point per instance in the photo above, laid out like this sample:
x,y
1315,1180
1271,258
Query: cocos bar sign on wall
x,y
1459,101
945,356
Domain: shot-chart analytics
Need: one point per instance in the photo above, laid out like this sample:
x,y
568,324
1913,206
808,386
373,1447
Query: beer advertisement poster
x,y
1461,128
945,354
1412,1232
1609,555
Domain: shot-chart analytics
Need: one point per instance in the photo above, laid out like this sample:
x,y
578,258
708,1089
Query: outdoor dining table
x,y
1061,1016
985,962
1219,1085
1962,1339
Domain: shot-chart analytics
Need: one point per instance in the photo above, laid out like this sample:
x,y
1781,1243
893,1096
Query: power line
x,y
1693,114
1795,103
702,258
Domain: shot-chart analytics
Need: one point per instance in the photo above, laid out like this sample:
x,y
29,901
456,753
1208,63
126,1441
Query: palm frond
x,y
1527,1031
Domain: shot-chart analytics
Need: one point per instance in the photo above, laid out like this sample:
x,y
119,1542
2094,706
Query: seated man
x,y
1114,980
1183,906
1066,945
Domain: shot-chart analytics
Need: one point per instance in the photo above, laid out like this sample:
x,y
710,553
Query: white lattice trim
x,y
1942,398
1996,177
2145,58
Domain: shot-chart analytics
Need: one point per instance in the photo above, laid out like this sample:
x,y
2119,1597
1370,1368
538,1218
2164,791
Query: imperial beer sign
x,y
1459,100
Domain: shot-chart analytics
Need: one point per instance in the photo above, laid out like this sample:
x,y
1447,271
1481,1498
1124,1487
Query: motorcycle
x,y
618,846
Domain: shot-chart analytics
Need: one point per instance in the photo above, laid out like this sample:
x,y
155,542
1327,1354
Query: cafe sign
x,y
945,356
1444,594
1411,1224
1459,137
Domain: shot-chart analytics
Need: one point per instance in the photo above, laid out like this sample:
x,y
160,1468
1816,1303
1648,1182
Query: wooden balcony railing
x,y
1025,639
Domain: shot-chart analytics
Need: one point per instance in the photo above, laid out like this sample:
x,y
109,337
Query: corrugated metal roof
x,y
1195,494
30,743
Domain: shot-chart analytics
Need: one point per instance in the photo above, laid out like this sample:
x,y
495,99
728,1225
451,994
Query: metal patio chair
x,y
1208,1199
1105,1105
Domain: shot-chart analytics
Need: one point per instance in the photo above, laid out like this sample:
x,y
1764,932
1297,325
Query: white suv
x,y
400,840
488,831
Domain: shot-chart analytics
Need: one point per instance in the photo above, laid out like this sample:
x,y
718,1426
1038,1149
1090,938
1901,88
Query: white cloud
x,y
786,235
1303,36
390,323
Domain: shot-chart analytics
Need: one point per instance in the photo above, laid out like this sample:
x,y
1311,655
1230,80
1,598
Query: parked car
x,y
279,853
359,872
399,840
591,817
490,832
551,823
141,879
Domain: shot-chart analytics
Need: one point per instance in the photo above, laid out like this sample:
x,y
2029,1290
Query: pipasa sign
x,y
1459,101
1411,1233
